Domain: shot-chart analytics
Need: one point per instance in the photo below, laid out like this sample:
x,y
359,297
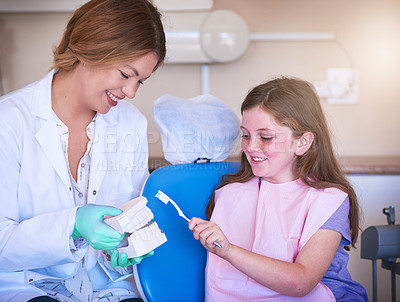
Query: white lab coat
x,y
37,210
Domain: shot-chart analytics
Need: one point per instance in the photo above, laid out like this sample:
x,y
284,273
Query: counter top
x,y
350,164
371,165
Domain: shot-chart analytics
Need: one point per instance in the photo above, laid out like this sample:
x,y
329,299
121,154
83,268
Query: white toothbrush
x,y
165,199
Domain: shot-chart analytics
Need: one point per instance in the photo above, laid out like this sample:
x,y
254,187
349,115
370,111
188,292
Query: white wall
x,y
369,30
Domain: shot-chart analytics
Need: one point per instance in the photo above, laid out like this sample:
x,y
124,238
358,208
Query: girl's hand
x,y
208,232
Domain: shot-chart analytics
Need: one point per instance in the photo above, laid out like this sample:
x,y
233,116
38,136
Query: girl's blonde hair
x,y
111,32
294,104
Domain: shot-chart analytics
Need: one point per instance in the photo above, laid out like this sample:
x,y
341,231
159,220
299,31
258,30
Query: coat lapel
x,y
47,135
49,139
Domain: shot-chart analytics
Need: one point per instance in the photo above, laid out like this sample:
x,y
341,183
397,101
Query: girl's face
x,y
269,147
101,87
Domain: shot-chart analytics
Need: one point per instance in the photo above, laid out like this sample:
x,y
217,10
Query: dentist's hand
x,y
208,232
90,225
123,260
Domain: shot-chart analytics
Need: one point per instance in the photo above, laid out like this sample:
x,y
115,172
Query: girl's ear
x,y
304,143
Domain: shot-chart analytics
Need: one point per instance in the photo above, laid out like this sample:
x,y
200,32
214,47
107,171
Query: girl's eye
x,y
140,82
245,136
124,75
266,138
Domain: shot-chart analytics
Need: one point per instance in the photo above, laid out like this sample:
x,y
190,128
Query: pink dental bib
x,y
275,220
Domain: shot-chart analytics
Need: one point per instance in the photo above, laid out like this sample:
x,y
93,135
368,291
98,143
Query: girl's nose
x,y
252,144
130,89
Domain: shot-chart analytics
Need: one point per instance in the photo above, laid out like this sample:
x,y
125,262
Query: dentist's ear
x,y
304,143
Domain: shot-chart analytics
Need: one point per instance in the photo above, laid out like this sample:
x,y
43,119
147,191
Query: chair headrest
x,y
202,127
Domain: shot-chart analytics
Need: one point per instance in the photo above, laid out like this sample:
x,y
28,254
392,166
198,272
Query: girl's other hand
x,y
208,232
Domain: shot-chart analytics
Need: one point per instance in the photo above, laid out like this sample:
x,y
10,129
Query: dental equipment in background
x,y
383,242
165,199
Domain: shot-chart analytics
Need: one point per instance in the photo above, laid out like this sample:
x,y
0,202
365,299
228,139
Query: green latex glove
x,y
90,225
123,260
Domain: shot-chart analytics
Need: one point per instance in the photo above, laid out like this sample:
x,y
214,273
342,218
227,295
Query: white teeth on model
x,y
149,232
143,236
259,158
113,97
135,216
142,217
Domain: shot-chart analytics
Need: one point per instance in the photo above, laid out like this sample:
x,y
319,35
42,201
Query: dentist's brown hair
x,y
111,32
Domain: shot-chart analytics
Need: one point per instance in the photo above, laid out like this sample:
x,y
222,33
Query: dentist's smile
x,y
112,99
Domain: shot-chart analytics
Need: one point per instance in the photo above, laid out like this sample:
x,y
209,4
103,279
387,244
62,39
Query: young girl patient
x,y
286,219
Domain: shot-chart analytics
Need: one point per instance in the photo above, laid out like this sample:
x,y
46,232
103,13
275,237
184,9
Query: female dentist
x,y
72,150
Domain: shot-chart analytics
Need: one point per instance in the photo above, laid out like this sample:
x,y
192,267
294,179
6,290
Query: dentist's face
x,y
102,87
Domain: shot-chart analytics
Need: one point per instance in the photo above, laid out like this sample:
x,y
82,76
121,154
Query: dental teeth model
x,y
144,236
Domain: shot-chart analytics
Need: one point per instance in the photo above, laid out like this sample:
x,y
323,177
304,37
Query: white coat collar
x,y
41,99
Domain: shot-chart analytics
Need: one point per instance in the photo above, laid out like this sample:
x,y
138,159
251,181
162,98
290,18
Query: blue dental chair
x,y
176,270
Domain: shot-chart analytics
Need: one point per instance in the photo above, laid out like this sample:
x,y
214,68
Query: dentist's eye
x,y
124,75
245,136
